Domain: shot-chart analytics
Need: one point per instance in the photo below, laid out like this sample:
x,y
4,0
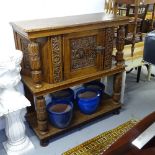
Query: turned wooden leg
x,y
41,115
34,59
117,87
120,41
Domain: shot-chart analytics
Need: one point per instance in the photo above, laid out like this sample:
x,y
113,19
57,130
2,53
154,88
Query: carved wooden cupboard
x,y
67,51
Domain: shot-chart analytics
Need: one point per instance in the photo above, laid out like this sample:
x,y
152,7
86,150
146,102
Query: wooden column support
x,y
35,64
117,87
120,41
41,115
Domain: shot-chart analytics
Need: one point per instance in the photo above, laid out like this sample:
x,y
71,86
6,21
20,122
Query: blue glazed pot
x,y
88,100
65,94
60,113
97,85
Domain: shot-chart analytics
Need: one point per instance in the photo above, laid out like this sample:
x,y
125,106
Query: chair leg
x,y
149,72
138,73
149,66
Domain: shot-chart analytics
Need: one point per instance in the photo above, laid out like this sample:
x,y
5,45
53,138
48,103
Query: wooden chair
x,y
133,50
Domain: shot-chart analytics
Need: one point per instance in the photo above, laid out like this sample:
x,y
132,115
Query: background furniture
x,y
149,48
137,11
64,52
123,146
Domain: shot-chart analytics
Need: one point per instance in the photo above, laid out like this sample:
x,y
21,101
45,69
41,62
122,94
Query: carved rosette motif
x,y
83,52
120,41
56,58
108,48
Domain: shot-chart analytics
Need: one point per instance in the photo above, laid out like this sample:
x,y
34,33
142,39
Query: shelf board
x,y
49,88
107,106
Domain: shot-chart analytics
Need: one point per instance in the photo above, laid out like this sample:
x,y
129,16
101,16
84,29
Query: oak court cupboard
x,y
67,51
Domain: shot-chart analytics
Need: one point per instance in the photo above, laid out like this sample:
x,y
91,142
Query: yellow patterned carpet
x,y
99,144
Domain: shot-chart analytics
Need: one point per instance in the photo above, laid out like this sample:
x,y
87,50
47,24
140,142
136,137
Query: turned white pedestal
x,y
17,142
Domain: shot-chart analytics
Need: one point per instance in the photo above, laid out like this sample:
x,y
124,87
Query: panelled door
x,y
83,53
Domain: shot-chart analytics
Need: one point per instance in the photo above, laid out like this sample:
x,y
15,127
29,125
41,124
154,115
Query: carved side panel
x,y
24,47
56,49
108,48
83,52
22,44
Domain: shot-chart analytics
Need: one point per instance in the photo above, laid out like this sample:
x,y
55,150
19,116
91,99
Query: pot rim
x,y
98,94
60,102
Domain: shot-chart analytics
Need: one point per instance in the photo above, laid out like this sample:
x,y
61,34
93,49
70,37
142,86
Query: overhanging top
x,y
58,25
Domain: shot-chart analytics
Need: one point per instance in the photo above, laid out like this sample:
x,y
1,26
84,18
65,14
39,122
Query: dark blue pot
x,y
60,113
88,104
65,94
97,85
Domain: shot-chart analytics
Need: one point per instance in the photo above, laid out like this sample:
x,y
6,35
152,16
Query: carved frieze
x,y
56,58
108,47
83,52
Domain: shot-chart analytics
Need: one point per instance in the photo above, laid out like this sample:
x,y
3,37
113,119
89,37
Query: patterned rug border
x,y
101,142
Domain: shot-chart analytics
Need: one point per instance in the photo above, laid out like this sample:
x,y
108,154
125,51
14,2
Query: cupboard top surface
x,y
67,22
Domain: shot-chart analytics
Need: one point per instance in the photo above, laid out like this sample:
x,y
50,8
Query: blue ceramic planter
x,y
97,85
65,94
60,113
88,100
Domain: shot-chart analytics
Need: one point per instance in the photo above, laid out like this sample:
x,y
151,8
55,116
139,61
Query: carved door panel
x,y
83,53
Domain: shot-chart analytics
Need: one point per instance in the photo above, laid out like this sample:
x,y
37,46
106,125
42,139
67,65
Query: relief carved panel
x,y
108,48
56,58
83,53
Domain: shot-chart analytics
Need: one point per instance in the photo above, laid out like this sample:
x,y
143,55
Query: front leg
x,y
117,87
41,115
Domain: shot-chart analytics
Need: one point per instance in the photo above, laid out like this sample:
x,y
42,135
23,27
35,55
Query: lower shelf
x,y
107,106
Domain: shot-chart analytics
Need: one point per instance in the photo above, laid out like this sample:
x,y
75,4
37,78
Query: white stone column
x,y
123,87
17,141
12,103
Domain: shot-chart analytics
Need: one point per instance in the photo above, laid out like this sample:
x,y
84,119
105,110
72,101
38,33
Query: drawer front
x,y
83,53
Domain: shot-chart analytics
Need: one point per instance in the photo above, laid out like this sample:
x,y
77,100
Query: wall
x,y
14,10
